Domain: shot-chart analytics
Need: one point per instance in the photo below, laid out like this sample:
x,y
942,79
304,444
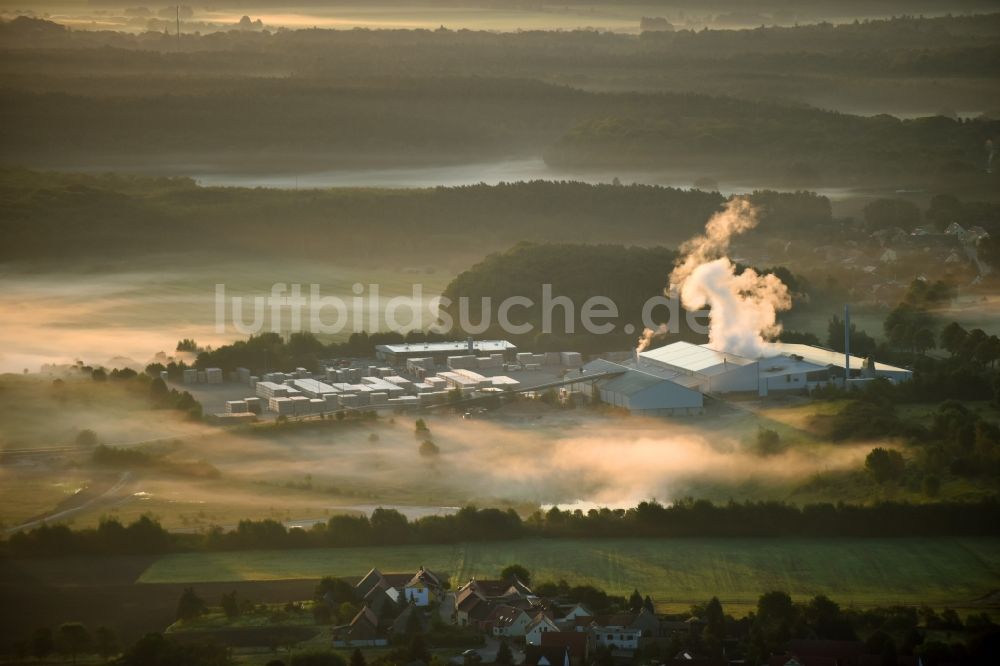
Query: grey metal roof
x,y
631,382
456,346
694,358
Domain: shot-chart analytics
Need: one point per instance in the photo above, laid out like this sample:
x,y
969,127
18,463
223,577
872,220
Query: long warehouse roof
x,y
456,346
694,358
824,357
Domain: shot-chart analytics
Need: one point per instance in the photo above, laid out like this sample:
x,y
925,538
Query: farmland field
x,y
675,572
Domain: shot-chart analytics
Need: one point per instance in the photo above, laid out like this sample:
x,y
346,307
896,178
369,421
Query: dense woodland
x,y
798,146
59,216
726,103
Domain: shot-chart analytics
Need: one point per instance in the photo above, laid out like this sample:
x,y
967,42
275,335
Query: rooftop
x,y
313,386
694,358
456,346
825,357
778,366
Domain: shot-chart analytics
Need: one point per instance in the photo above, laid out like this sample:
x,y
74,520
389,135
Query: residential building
x,y
363,631
552,655
540,624
423,588
509,621
615,632
575,642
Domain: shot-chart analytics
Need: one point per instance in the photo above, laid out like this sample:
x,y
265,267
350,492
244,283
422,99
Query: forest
x,y
734,104
53,216
804,147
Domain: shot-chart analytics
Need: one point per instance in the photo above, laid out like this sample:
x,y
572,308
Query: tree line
x,y
59,215
386,527
803,146
156,391
946,47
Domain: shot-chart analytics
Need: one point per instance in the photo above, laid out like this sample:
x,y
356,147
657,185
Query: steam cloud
x,y
744,306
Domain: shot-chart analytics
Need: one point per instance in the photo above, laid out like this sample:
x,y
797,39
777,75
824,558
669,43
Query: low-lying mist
x,y
525,455
567,460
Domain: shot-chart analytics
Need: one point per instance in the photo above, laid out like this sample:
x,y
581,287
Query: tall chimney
x,y
847,344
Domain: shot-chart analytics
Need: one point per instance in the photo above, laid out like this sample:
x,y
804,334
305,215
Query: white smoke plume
x,y
648,335
744,306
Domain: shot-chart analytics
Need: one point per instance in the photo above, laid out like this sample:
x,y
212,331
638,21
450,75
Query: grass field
x,y
26,495
675,572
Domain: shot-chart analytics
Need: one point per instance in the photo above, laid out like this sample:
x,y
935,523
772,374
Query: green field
x,y
676,572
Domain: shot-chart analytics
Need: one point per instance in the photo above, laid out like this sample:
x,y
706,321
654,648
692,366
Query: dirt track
x,y
112,490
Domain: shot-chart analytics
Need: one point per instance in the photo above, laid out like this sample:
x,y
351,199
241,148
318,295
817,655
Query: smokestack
x,y
847,344
177,8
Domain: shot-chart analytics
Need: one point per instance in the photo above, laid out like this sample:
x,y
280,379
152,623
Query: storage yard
x,y
411,376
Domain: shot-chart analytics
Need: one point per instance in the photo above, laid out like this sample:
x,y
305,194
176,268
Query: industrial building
x,y
440,351
673,379
861,368
703,368
790,367
646,392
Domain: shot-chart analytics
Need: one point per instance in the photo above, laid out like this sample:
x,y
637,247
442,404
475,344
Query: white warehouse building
x,y
792,367
673,379
707,370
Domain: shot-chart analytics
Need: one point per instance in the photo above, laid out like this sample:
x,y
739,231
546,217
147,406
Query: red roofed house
x,y
574,641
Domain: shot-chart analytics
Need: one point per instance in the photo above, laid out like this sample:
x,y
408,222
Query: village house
x,y
362,631
476,600
410,621
382,601
467,598
577,610
511,587
394,604
509,621
422,588
574,642
471,610
552,655
646,622
390,583
579,624
541,624
615,632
